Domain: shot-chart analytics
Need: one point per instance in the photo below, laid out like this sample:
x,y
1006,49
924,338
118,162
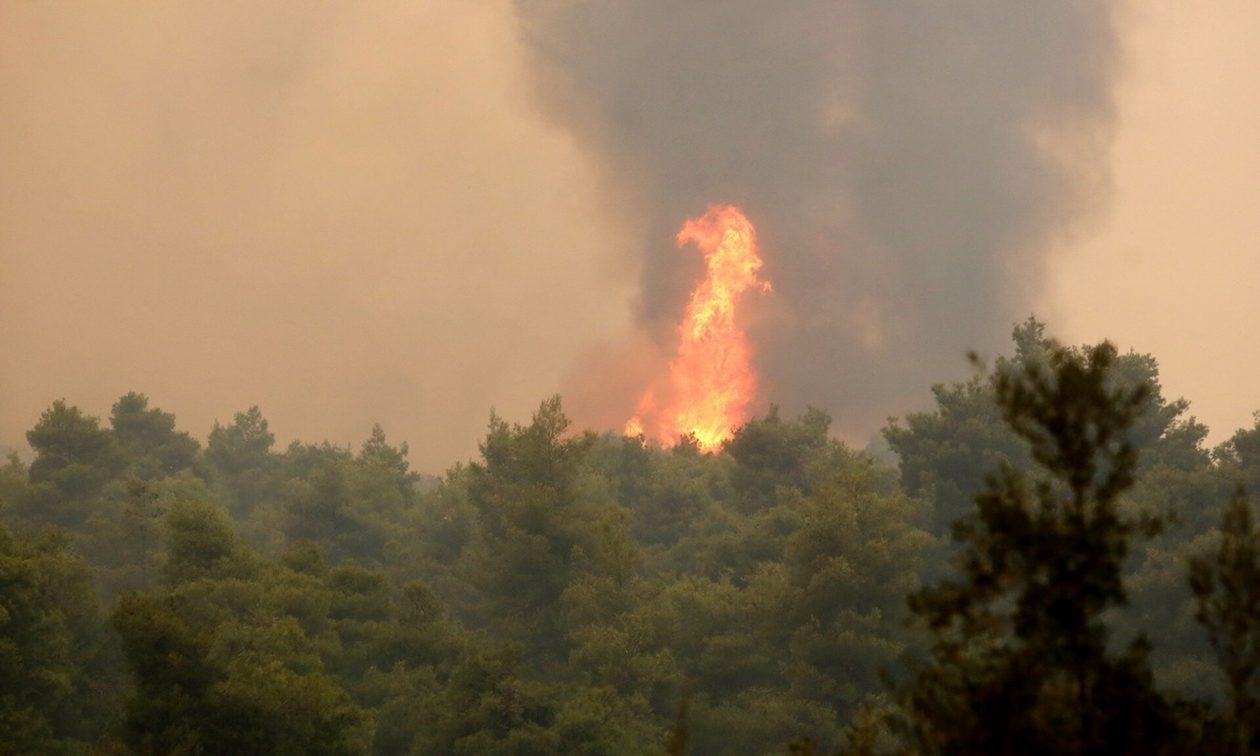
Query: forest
x,y
1051,560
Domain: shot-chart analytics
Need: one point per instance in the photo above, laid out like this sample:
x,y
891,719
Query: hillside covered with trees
x,y
1051,560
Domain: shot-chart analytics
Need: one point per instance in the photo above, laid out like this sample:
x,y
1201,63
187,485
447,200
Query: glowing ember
x,y
711,380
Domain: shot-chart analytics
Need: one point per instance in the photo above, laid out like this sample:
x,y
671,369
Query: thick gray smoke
x,y
908,164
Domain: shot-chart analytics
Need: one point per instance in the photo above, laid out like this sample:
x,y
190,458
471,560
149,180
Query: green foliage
x,y
241,454
1240,456
224,658
60,681
320,504
849,567
1227,594
572,593
1020,657
74,459
531,524
202,544
946,455
14,483
771,453
149,437
774,619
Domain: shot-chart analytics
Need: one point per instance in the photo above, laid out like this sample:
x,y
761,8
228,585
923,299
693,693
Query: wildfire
x,y
711,380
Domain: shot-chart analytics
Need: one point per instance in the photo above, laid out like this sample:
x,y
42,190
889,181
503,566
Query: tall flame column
x,y
711,380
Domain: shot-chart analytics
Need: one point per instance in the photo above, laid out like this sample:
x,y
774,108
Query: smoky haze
x,y
908,165
345,213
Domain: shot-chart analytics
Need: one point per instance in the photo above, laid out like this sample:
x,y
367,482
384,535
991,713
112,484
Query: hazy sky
x,y
1173,267
346,213
358,213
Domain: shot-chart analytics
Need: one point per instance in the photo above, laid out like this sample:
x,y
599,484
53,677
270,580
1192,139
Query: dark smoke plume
x,y
908,163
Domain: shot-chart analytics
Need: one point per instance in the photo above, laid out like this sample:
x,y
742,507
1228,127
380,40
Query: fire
x,y
711,380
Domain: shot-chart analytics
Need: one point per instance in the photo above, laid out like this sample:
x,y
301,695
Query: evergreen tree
x,y
1020,659
1227,593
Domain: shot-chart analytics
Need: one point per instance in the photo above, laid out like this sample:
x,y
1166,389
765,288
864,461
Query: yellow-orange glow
x,y
711,380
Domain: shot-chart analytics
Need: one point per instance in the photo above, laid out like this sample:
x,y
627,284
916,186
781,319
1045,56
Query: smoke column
x,y
908,165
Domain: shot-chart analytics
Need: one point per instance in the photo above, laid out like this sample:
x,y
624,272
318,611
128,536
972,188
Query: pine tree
x,y
1020,660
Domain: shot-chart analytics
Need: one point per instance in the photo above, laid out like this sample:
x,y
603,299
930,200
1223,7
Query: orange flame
x,y
711,380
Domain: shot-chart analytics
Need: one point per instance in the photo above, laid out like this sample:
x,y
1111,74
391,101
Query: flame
x,y
711,380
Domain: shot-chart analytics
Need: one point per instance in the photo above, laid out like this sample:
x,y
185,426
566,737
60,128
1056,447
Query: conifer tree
x,y
1020,660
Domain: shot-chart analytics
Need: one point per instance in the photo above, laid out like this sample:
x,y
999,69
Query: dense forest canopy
x,y
1053,563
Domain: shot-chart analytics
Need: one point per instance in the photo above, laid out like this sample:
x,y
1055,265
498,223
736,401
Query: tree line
x,y
1050,560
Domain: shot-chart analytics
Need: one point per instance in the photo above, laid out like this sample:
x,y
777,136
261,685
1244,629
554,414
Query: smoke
x,y
355,213
908,165
346,213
